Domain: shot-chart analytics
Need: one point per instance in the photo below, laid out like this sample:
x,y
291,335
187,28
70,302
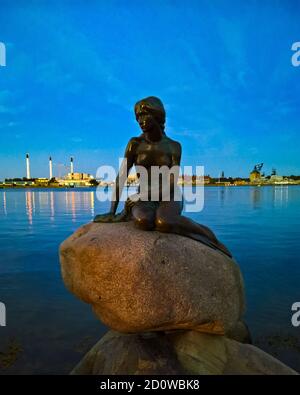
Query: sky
x,y
74,70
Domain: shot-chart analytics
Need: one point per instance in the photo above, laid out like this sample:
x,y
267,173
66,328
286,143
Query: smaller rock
x,y
117,354
240,333
177,352
201,353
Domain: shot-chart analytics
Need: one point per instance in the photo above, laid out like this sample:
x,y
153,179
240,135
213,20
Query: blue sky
x,y
222,68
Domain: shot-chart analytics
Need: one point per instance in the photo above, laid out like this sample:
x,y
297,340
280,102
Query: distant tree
x,y
293,177
12,179
94,182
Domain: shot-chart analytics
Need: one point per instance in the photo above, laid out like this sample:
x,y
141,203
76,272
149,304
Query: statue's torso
x,y
158,154
154,154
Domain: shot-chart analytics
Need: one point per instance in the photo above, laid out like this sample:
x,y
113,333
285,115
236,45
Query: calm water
x,y
48,330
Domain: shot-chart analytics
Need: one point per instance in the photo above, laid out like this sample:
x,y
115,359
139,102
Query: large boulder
x,y
179,352
139,281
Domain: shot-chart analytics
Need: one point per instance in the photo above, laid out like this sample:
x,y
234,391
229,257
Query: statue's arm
x,y
176,154
128,162
176,159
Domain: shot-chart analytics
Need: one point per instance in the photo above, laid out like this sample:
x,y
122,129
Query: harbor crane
x,y
258,167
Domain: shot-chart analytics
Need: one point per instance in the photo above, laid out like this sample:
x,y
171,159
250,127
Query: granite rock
x,y
139,281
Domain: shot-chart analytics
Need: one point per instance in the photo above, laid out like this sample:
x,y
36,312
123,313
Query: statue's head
x,y
149,113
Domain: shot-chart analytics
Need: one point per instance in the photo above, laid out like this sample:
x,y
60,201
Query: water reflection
x,y
4,203
29,206
256,197
43,199
92,197
222,195
49,203
52,205
33,200
73,206
280,195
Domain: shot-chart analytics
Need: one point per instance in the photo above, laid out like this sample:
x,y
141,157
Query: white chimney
x,y
50,168
27,166
72,166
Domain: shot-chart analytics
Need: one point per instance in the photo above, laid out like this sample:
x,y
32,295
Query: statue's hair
x,y
156,107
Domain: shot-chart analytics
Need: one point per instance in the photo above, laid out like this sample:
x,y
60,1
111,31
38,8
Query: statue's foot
x,y
224,249
106,218
205,240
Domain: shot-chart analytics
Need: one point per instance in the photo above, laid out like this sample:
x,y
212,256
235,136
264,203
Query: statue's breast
x,y
153,155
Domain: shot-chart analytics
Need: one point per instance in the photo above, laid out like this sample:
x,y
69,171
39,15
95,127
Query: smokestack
x,y
50,168
72,166
27,166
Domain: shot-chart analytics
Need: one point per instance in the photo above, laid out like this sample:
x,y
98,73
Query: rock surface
x,y
240,333
200,353
139,281
119,354
182,352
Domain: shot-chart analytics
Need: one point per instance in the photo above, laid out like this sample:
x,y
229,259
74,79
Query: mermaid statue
x,y
153,148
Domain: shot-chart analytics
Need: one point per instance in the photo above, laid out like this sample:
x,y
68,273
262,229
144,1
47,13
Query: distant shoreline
x,y
133,186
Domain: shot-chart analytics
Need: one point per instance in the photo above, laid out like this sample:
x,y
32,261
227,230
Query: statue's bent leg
x,y
143,215
168,219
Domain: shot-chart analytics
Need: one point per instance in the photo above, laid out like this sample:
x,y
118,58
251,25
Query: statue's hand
x,y
109,217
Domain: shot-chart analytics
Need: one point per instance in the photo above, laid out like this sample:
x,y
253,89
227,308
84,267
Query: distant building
x,y
240,181
274,179
255,176
207,180
193,180
185,180
41,181
79,176
76,179
18,182
132,179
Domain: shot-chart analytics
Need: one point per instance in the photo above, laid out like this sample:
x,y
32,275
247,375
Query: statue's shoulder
x,y
133,143
175,144
134,140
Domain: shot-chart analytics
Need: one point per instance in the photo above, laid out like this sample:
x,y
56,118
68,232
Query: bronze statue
x,y
154,148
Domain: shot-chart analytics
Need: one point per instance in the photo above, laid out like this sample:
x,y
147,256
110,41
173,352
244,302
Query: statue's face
x,y
146,119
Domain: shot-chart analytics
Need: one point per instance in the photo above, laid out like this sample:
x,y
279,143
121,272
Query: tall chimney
x,y
50,168
72,165
27,166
